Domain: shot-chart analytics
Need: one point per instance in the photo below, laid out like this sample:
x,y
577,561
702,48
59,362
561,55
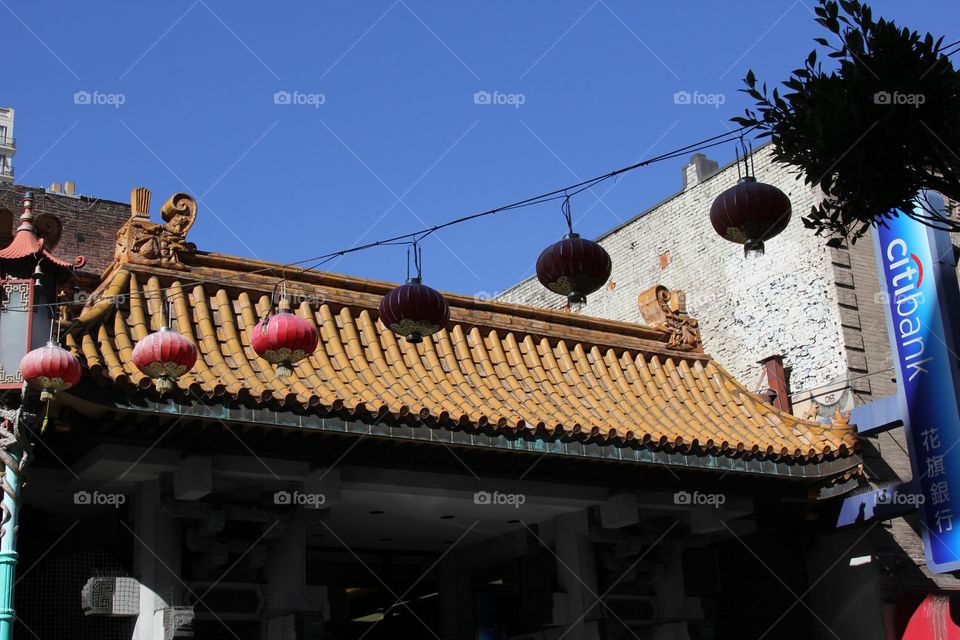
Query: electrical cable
x,y
564,193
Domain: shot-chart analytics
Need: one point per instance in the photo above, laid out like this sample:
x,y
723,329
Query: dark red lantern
x,y
414,310
50,368
164,356
284,339
749,213
574,267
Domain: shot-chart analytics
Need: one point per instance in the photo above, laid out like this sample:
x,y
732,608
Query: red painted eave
x,y
26,244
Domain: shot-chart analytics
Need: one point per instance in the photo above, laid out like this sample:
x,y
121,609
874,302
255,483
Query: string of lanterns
x,y
406,238
748,213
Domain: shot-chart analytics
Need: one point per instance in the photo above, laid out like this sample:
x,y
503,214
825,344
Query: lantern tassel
x,y
576,300
164,385
46,412
284,370
753,249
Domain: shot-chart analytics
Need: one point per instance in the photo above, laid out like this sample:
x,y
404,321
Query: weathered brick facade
x,y
819,308
782,303
89,224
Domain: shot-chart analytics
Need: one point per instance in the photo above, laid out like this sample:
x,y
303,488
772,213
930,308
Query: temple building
x,y
524,473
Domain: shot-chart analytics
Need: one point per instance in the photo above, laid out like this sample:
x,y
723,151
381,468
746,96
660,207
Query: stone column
x,y
286,568
156,560
456,599
671,596
577,577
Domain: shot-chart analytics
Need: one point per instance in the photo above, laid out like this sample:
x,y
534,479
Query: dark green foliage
x,y
879,126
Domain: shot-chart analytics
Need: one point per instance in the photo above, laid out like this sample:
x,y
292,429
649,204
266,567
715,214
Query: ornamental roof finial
x,y
140,202
141,241
26,218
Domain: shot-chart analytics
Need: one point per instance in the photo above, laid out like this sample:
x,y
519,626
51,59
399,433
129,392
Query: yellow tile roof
x,y
496,366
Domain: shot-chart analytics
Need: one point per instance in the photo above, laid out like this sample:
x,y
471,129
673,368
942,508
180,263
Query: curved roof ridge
x,y
497,366
492,368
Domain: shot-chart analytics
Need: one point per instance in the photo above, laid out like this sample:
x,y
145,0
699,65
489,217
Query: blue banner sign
x,y
922,297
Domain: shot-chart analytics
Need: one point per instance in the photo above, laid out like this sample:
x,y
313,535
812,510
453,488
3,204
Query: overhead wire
x,y
563,193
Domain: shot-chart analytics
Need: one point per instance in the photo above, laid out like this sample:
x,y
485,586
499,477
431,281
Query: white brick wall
x,y
783,302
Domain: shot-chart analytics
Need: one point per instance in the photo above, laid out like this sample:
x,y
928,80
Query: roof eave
x,y
811,471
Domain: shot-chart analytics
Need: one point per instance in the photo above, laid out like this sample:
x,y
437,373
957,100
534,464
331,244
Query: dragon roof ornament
x,y
667,309
140,241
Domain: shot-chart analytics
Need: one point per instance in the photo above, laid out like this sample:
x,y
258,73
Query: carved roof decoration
x,y
667,309
140,241
497,367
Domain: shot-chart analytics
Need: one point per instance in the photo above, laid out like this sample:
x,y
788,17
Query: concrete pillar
x,y
286,569
456,602
156,560
577,577
671,597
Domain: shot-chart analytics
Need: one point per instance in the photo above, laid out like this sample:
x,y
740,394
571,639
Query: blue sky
x,y
382,133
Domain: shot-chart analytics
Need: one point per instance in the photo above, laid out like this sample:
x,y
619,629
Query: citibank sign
x,y
923,308
907,301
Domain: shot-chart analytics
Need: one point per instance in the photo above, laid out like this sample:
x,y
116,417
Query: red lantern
x,y
164,356
749,213
414,310
574,267
284,339
50,368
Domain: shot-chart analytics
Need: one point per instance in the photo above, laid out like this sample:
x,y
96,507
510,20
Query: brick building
x,y
818,307
74,225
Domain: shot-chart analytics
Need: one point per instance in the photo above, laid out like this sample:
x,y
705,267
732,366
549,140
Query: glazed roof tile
x,y
496,366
